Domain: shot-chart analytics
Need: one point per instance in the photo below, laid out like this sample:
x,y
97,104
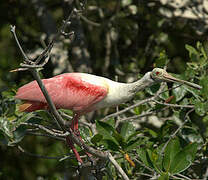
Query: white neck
x,y
144,82
123,92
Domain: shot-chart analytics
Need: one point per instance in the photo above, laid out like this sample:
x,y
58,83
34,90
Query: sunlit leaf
x,y
6,127
108,132
183,159
165,94
179,92
85,133
171,150
127,129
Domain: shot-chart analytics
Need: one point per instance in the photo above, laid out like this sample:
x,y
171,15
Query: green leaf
x,y
6,127
161,60
201,49
127,130
139,109
191,134
133,144
155,159
164,176
171,150
18,135
183,159
165,94
133,136
153,89
105,129
179,92
108,132
12,129
96,138
85,133
110,144
193,53
201,108
25,118
142,153
204,84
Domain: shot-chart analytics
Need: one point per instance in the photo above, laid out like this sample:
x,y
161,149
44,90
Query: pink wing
x,y
68,91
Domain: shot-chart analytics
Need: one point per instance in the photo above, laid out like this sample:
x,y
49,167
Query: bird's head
x,y
160,75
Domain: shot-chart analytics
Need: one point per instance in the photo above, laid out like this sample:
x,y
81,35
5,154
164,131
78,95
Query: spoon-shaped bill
x,y
170,78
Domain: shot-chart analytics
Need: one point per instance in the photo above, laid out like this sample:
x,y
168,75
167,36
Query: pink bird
x,y
82,93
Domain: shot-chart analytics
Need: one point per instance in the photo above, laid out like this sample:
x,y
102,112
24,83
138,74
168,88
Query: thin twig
x,y
45,135
174,105
184,177
177,130
89,21
127,109
136,117
116,165
144,174
18,44
46,129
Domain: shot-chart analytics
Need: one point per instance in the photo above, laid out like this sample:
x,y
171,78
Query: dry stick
x,y
44,135
127,109
119,169
59,119
46,130
174,105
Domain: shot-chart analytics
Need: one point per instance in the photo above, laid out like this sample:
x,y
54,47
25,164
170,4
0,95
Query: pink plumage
x,y
68,91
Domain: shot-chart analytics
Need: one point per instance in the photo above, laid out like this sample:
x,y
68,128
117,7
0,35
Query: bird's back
x,y
75,91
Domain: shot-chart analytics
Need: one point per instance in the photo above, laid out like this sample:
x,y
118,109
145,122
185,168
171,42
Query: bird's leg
x,y
75,129
71,145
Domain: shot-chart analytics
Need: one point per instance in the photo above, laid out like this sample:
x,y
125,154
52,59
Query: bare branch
x,y
118,168
45,135
127,109
51,132
174,105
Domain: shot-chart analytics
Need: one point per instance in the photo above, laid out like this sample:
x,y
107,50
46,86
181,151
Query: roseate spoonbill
x,y
83,93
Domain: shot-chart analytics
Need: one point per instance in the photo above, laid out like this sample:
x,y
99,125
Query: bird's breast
x,y
117,94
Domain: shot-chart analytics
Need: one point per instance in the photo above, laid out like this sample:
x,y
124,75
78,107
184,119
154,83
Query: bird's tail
x,y
29,106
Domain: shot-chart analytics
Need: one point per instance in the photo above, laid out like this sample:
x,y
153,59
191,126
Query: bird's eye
x,y
157,73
